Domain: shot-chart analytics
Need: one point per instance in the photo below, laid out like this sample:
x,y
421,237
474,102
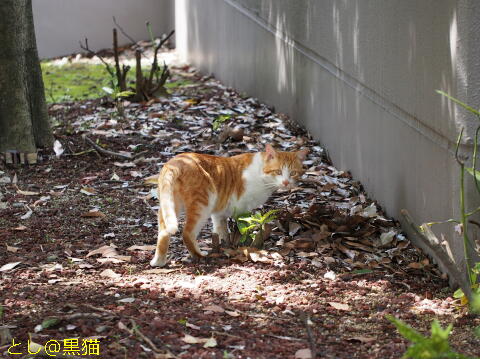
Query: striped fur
x,y
204,185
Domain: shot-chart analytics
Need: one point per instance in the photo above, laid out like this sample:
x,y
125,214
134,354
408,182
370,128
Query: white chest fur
x,y
258,188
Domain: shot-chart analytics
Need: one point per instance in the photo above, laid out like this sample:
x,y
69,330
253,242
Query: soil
x,y
332,267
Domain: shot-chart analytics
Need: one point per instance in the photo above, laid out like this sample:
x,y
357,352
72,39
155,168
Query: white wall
x,y
61,24
361,77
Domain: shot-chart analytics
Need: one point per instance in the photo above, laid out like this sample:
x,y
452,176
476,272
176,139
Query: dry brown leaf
x,y
105,251
339,306
27,193
362,339
12,249
258,255
415,265
93,214
232,313
89,191
293,228
303,354
141,248
160,271
108,273
329,260
190,339
214,308
125,164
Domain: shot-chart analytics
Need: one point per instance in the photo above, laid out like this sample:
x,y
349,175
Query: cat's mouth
x,y
285,188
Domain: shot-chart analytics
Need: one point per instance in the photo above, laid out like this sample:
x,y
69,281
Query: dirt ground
x,y
82,226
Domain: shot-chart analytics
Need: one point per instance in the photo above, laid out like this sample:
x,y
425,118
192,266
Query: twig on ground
x,y
311,339
83,152
143,337
81,315
106,152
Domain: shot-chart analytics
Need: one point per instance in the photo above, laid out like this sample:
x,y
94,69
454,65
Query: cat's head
x,y
283,169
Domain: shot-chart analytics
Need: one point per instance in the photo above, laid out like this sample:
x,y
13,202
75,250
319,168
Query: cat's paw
x,y
203,253
158,261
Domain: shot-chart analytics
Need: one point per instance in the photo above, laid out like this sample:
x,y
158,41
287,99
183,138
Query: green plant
x,y
219,121
117,95
252,225
467,295
434,347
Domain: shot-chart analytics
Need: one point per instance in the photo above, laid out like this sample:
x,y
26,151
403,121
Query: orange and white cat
x,y
204,185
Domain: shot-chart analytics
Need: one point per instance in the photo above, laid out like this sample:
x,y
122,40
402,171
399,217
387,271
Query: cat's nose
x,y
286,182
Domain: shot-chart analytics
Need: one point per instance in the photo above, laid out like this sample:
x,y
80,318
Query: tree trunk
x,y
24,123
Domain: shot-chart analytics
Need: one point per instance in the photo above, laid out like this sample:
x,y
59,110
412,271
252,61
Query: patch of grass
x,y
179,83
74,82
79,81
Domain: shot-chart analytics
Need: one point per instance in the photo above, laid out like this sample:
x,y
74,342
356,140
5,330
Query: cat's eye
x,y
293,173
277,172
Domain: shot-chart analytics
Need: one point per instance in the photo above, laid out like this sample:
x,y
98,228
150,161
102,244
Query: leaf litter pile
x,y
78,231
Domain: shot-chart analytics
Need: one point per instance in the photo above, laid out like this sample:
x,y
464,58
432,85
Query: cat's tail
x,y
167,202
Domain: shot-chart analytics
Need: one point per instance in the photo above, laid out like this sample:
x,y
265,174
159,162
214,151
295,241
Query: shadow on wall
x,y
330,69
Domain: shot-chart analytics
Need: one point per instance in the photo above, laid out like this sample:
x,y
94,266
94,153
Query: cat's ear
x,y
270,152
302,154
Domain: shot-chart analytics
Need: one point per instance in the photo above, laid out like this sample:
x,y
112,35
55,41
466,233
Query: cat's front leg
x,y
220,227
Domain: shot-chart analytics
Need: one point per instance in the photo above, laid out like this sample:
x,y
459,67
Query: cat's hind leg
x,y
220,227
196,215
160,258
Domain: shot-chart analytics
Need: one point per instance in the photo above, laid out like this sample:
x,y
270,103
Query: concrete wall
x,y
361,77
61,24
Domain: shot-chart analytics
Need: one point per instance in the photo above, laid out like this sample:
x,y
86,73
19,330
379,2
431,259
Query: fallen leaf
x,y
117,259
58,148
89,191
303,354
27,193
415,265
214,308
93,214
210,343
141,248
192,340
362,339
387,237
160,270
136,174
257,255
232,313
108,273
105,251
339,306
330,275
370,211
12,249
20,228
193,326
125,164
28,214
127,300
293,228
9,266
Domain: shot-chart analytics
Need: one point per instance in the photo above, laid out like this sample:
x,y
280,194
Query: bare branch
x,y
123,31
93,53
106,152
